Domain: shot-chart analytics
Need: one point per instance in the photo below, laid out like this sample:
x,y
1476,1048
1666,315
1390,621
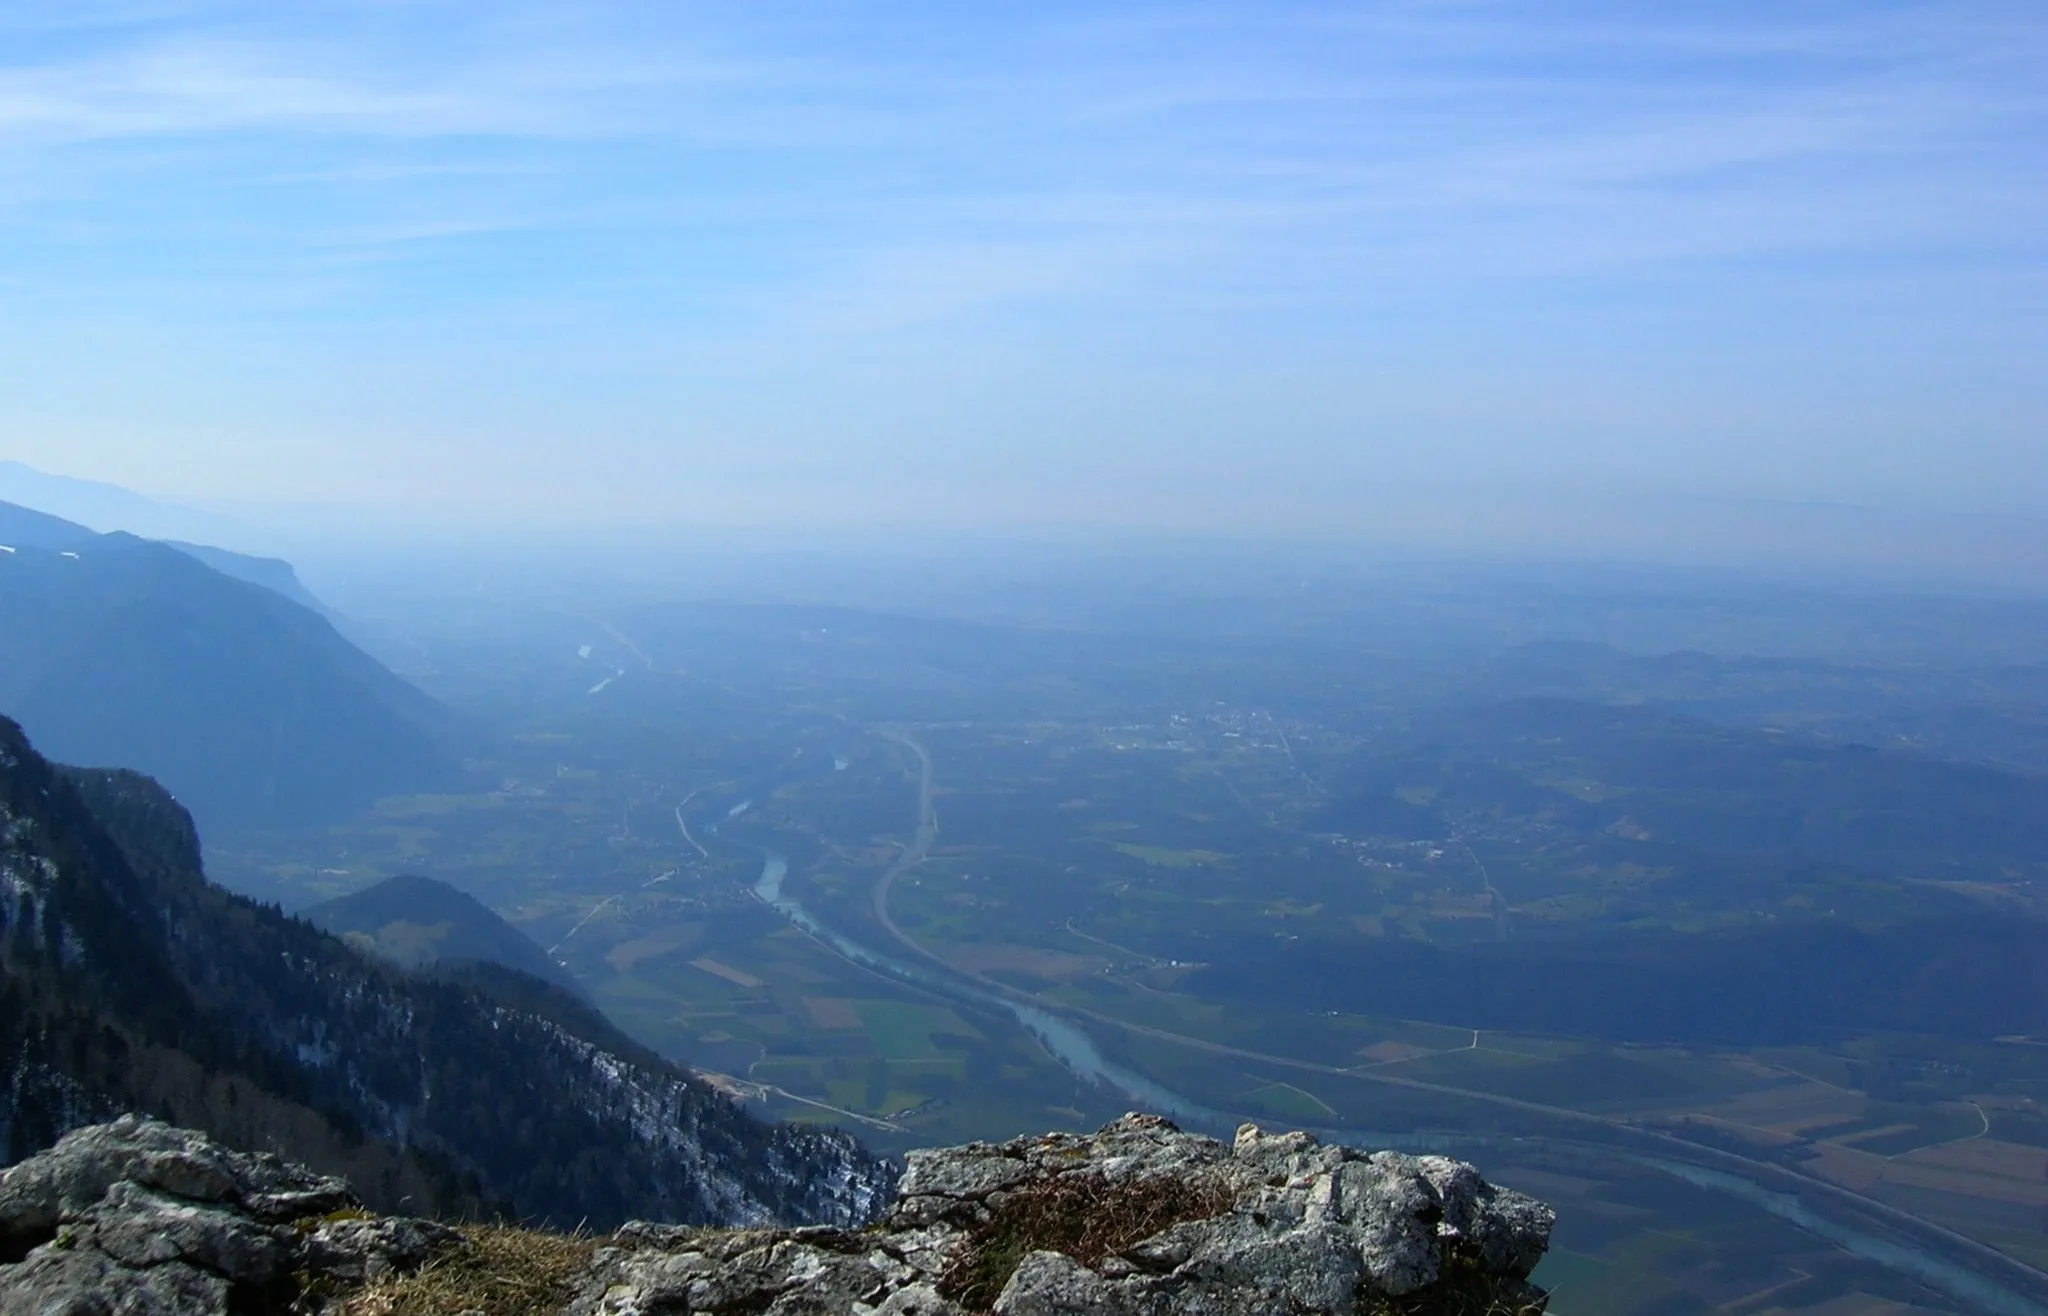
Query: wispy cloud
x,y
185,87
776,188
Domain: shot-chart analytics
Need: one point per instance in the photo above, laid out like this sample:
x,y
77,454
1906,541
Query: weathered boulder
x,y
136,1218
1140,1219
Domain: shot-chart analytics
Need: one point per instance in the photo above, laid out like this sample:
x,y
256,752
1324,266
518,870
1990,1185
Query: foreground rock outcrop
x,y
1139,1219
138,1217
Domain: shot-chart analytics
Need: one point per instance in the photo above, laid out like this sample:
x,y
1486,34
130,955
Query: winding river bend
x,y
1067,1043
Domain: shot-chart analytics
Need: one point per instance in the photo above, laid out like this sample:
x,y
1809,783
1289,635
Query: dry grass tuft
x,y
1086,1216
503,1272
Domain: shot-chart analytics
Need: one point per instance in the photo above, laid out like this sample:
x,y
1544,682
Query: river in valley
x,y
1066,1041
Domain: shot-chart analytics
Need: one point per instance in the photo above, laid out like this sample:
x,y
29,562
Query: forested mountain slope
x,y
129,982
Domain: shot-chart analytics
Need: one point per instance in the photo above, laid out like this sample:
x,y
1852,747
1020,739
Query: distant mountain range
x,y
27,527
418,921
24,527
128,982
200,668
107,507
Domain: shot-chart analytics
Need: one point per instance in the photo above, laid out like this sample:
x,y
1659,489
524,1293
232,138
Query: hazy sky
x,y
1263,265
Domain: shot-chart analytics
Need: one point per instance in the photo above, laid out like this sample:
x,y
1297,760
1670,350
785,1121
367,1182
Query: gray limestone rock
x,y
136,1218
88,1282
72,1177
354,1250
1139,1219
1054,1284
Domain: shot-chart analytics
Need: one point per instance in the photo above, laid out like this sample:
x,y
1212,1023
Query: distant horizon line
x,y
1475,523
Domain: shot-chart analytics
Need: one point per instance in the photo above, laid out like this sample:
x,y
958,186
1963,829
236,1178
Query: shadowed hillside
x,y
252,709
416,921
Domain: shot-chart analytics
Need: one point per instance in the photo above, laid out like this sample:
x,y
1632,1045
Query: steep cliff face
x,y
1140,1219
129,982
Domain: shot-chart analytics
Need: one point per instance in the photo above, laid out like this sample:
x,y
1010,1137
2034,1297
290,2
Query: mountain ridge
x,y
416,921
110,507
22,525
251,708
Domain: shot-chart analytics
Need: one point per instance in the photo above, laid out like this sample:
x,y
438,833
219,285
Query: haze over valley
x,y
645,613
1682,898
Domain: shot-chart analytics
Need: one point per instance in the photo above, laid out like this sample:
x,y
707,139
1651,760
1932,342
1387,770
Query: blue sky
x,y
1274,266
